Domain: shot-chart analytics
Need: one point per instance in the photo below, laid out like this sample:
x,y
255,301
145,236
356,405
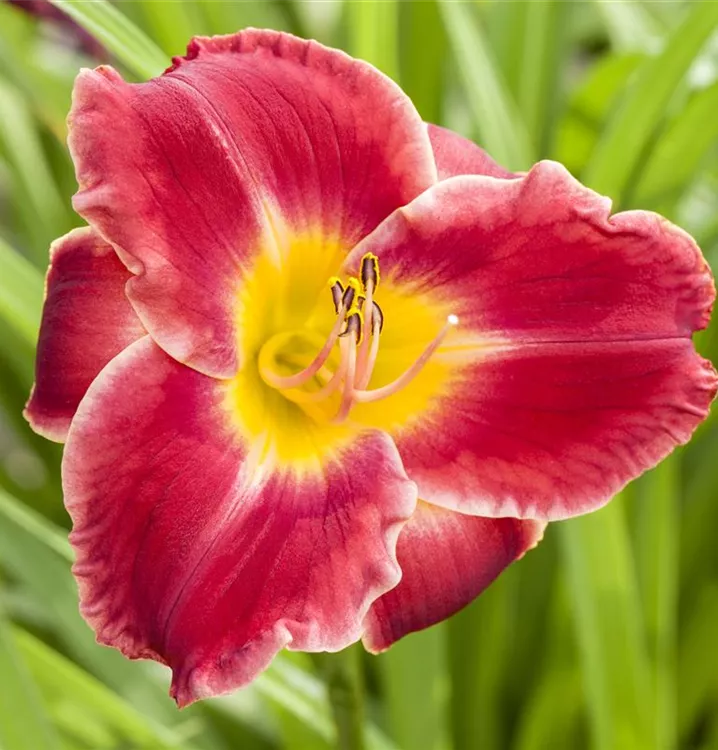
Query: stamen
x,y
349,354
368,314
294,381
364,377
365,397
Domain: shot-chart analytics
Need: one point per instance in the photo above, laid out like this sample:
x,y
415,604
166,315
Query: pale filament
x,y
349,354
363,373
283,382
366,397
364,377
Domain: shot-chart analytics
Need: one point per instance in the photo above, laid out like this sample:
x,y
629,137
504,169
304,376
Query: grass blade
x,y
61,680
23,722
478,674
598,563
500,127
372,27
423,51
630,27
121,37
21,292
657,563
680,151
35,192
619,151
414,676
544,48
172,24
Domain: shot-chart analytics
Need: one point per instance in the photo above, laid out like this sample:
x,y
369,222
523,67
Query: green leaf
x,y
23,721
545,47
698,663
35,192
422,56
46,89
552,715
21,292
590,106
121,37
372,27
63,682
172,23
630,27
479,674
605,603
414,674
620,150
227,17
502,132
657,564
680,151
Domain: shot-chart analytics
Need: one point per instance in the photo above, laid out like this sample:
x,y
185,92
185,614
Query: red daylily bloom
x,y
298,309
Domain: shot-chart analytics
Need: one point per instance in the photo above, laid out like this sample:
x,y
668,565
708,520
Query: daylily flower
x,y
324,370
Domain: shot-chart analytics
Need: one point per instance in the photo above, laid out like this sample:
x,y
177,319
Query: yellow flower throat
x,y
309,381
357,328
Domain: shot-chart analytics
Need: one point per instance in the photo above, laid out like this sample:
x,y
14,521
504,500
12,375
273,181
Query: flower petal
x,y
247,143
447,559
192,551
456,155
555,430
572,369
86,321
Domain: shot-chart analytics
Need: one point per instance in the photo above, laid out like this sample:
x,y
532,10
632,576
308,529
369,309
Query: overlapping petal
x,y
447,559
86,321
456,155
574,371
194,551
250,143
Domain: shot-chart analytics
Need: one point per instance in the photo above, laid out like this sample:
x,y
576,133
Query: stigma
x,y
356,331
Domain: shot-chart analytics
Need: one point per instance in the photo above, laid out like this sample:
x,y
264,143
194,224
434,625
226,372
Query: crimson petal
x,y
574,366
246,143
86,321
192,551
447,559
456,155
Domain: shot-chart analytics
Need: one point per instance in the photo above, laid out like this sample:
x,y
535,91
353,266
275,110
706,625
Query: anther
x,y
377,314
369,271
377,319
355,324
337,289
350,293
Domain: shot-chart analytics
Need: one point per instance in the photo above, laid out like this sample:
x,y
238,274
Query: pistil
x,y
366,397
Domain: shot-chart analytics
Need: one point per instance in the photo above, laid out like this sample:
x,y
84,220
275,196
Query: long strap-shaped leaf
x,y
121,37
23,721
497,118
20,293
601,575
619,152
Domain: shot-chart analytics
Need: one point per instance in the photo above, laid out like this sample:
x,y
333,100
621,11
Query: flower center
x,y
329,386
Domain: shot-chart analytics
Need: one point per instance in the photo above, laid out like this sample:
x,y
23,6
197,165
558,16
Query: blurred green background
x,y
602,638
